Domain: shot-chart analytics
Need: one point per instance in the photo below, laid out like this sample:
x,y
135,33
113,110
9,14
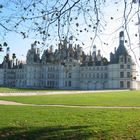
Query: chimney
x,y
8,53
16,62
94,53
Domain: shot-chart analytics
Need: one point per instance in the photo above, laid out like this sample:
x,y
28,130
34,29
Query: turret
x,y
33,55
121,38
121,50
99,55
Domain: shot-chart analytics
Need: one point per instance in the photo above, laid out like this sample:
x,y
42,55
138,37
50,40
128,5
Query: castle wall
x,y
1,77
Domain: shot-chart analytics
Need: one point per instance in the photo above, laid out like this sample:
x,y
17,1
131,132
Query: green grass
x,y
126,98
53,123
13,90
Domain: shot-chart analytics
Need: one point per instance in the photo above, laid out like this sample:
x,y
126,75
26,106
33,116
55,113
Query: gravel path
x,y
3,102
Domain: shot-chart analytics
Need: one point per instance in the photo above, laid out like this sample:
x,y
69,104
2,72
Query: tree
x,y
45,19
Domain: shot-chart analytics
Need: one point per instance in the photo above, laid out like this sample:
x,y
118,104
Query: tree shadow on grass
x,y
46,133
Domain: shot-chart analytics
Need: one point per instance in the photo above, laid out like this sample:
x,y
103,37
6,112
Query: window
x,y
129,60
121,84
69,75
121,66
128,74
48,83
65,83
56,83
89,75
128,84
121,59
128,66
101,75
105,68
121,74
101,68
53,83
69,83
97,75
105,75
70,67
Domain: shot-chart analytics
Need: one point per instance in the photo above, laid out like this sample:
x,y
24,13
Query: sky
x,y
106,43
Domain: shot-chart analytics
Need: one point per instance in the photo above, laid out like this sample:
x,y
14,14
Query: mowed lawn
x,y
54,123
123,98
58,123
13,90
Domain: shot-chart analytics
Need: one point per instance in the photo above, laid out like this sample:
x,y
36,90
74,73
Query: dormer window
x,y
128,60
121,59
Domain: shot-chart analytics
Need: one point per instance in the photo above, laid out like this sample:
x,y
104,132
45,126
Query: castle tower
x,y
94,53
121,50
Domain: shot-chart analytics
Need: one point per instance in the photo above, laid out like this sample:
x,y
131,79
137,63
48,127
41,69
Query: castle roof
x,y
121,50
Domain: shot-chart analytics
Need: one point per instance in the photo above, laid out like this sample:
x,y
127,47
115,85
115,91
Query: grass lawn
x,y
126,98
13,90
54,123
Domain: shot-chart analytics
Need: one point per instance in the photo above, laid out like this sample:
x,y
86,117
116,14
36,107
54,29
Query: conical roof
x,y
121,50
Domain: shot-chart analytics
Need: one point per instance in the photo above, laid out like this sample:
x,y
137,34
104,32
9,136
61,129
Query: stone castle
x,y
68,67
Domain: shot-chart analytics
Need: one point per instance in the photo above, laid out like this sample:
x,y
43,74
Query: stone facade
x,y
68,67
